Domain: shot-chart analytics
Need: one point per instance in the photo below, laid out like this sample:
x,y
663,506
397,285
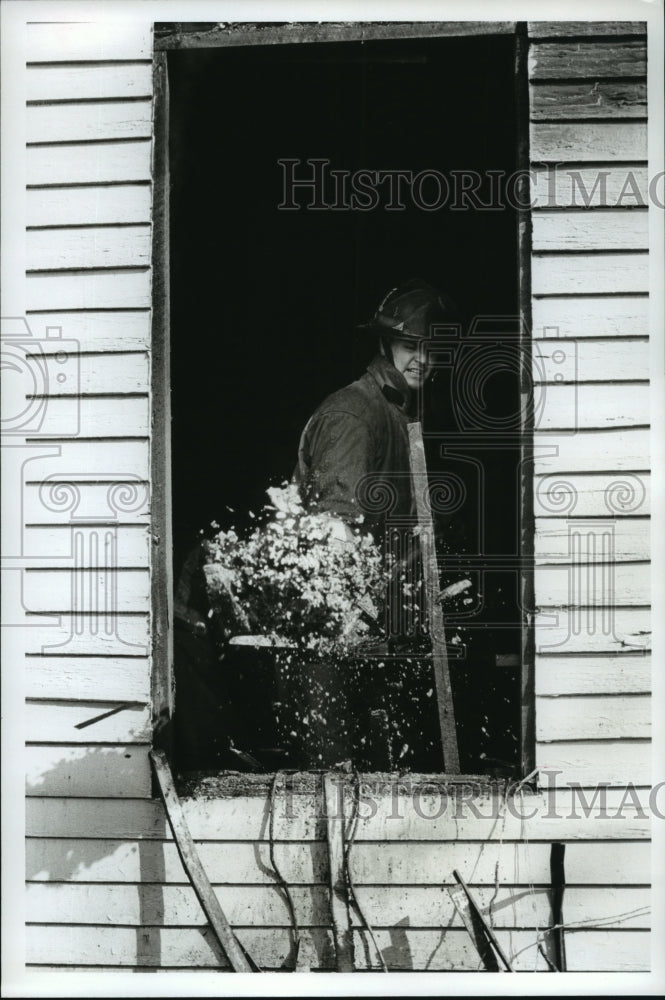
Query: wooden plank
x,y
191,949
562,631
91,771
605,186
96,416
575,29
119,39
96,331
614,142
617,451
79,461
91,121
597,495
589,99
63,503
631,537
409,810
559,360
88,163
104,372
397,864
89,635
444,695
590,316
89,290
206,897
596,585
60,722
579,407
265,906
90,246
587,60
615,761
337,877
74,82
560,675
595,717
590,274
55,545
227,34
87,677
606,230
66,590
85,205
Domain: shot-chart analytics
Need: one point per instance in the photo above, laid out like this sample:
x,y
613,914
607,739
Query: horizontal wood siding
x,y
590,326
105,886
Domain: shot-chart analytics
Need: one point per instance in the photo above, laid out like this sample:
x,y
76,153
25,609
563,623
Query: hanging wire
x,y
273,861
616,918
347,869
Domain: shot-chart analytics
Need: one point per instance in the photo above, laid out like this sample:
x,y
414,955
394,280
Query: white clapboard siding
x,y
614,142
586,99
591,361
267,906
110,289
83,589
54,545
562,631
606,230
195,949
594,717
118,372
64,504
591,316
619,450
74,82
88,247
563,274
88,635
619,762
562,186
93,771
95,205
575,406
630,538
96,416
88,163
306,863
95,120
96,331
593,585
86,722
87,41
87,678
78,460
617,674
404,813
603,494
587,60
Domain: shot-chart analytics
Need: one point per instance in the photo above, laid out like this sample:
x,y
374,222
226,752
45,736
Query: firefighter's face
x,y
410,359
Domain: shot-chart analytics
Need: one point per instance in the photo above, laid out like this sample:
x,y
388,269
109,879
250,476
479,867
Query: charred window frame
x,y
173,36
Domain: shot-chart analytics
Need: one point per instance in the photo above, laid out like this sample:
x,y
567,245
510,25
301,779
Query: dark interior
x,y
265,303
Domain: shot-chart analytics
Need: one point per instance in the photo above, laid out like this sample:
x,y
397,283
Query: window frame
x,y
175,36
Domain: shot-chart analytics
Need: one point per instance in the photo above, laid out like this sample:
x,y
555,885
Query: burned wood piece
x,y
238,958
558,876
339,897
481,933
444,693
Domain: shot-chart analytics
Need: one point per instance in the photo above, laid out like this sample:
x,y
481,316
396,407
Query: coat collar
x,y
392,383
